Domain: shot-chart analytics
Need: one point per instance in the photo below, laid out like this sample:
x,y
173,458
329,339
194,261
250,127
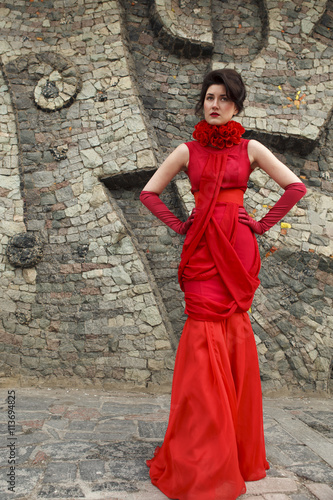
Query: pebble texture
x,y
93,96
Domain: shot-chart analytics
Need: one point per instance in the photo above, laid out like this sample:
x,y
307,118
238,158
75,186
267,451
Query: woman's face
x,y
218,108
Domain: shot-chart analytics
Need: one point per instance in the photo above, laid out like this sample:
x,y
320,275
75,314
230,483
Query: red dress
x,y
215,441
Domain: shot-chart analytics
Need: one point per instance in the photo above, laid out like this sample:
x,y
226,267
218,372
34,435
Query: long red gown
x,y
215,441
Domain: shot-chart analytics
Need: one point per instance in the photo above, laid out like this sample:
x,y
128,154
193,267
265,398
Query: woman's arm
x,y
294,188
175,162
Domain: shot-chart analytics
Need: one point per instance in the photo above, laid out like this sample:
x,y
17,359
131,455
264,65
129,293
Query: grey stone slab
x,y
114,486
304,434
117,409
4,430
67,450
275,434
35,404
23,415
82,425
59,491
116,429
123,450
300,454
36,437
26,480
276,456
320,473
53,433
274,471
100,436
301,496
163,401
22,455
320,421
91,470
59,472
321,491
132,470
56,423
80,400
152,429
272,485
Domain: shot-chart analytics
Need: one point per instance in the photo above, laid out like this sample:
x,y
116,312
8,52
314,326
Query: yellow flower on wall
x,y
297,101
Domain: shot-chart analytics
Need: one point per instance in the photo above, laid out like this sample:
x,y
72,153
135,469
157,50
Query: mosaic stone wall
x,y
93,96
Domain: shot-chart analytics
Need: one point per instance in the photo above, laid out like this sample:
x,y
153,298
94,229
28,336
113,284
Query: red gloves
x,y
293,193
159,209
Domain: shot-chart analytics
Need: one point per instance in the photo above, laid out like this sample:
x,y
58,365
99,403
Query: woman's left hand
x,y
187,224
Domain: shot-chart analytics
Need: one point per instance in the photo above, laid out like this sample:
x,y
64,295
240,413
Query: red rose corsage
x,y
218,136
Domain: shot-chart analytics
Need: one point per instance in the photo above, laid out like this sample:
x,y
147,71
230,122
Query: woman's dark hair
x,y
233,83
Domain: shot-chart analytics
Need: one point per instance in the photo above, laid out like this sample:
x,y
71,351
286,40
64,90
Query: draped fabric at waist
x,y
232,195
209,251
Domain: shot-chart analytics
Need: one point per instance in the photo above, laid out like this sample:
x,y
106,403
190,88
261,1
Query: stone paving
x,y
73,444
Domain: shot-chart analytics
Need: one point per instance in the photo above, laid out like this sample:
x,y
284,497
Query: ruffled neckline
x,y
218,136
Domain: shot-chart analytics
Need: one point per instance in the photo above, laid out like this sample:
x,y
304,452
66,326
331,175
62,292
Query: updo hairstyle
x,y
234,85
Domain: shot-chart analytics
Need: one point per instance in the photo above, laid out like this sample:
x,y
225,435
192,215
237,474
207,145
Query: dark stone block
x,y
152,429
268,279
27,136
115,486
310,294
60,472
318,472
91,470
324,31
319,305
25,250
297,310
23,102
56,491
314,182
319,240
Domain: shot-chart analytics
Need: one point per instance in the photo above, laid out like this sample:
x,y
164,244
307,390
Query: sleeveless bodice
x,y
238,166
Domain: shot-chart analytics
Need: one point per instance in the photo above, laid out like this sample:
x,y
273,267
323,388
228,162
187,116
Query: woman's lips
x,y
214,114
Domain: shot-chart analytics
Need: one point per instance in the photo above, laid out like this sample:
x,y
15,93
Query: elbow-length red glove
x,y
293,193
152,201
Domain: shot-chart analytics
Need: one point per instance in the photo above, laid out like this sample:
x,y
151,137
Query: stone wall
x,y
94,95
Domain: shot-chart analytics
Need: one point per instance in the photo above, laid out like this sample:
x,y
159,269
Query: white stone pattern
x,y
17,286
307,120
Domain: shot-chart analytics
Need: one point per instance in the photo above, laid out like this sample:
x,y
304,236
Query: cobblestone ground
x,y
79,444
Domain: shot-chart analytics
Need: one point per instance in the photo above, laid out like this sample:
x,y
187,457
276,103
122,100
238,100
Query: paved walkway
x,y
77,444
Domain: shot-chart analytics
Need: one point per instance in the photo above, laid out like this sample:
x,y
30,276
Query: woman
x,y
215,441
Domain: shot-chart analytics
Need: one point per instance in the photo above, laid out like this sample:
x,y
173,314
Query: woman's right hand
x,y
244,218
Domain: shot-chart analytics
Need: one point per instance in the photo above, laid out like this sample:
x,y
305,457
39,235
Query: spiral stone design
x,y
58,86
